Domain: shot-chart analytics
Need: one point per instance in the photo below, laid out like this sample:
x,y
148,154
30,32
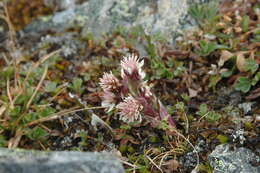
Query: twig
x,y
9,94
129,164
6,59
153,163
14,142
39,63
35,66
10,25
165,154
58,93
2,110
37,88
187,123
197,154
60,114
203,116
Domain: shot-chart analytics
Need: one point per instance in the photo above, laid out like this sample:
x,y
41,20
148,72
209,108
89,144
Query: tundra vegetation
x,y
164,112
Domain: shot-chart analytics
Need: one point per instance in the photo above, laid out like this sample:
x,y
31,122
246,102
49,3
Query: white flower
x,y
109,82
130,110
131,66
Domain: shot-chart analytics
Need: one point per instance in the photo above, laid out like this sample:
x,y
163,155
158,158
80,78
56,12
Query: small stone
x,y
247,107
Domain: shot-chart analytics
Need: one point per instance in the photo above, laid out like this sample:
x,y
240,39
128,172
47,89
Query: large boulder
x,y
224,159
103,16
22,161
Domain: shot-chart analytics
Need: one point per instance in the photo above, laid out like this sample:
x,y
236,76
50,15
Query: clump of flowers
x,y
131,96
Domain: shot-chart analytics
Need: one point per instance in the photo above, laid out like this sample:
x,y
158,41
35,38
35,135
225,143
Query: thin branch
x,y
9,94
134,167
153,163
34,67
37,88
60,114
42,60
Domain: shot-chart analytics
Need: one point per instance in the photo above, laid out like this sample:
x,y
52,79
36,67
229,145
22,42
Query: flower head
x,y
109,82
130,110
131,66
109,100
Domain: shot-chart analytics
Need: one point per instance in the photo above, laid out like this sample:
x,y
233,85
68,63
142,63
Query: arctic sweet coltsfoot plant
x,y
131,96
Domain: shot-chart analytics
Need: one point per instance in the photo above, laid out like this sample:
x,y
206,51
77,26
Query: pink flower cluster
x,y
131,96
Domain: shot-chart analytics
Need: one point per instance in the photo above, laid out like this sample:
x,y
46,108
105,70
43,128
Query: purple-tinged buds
x,y
131,96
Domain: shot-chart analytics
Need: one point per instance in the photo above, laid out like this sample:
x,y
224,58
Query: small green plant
x,y
206,48
36,133
76,85
211,116
244,84
245,23
50,86
204,14
22,100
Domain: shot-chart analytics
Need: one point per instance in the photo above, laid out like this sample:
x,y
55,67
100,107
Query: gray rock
x,y
22,161
60,4
103,16
224,159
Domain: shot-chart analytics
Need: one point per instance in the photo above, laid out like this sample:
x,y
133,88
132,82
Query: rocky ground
x,y
201,60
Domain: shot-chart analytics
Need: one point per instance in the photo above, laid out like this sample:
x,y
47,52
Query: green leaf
x,y
3,141
222,139
77,85
256,79
204,12
185,97
207,48
47,111
227,74
203,109
52,60
251,65
213,116
214,80
14,113
243,84
50,86
245,23
179,70
36,133
24,98
180,106
7,72
29,117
